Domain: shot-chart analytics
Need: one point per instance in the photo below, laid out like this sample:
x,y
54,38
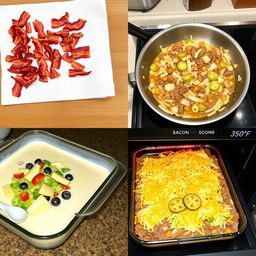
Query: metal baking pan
x,y
179,241
115,171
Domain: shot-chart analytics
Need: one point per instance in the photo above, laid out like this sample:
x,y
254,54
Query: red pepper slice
x,y
28,28
55,194
24,196
56,23
77,66
22,20
77,25
73,72
42,164
65,187
18,175
38,178
16,89
39,28
56,62
67,58
81,52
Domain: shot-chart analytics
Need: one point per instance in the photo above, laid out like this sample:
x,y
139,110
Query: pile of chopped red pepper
x,y
22,57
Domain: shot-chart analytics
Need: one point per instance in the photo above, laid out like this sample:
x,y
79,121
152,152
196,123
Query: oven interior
x,y
239,157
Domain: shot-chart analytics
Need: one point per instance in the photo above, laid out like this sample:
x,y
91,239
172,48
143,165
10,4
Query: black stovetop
x,y
244,117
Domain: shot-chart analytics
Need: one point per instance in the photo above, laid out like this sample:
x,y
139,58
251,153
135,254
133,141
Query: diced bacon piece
x,y
77,66
16,89
56,23
39,28
53,73
28,28
73,72
10,58
52,38
81,52
20,63
43,70
25,70
67,58
56,61
20,80
77,25
22,20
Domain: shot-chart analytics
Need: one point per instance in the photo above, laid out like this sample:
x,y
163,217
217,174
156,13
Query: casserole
x,y
95,177
200,32
186,237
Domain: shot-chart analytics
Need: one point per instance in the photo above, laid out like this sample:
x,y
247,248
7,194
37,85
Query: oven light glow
x,y
239,115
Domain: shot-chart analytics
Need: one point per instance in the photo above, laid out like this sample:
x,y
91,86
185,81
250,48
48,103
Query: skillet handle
x,y
138,32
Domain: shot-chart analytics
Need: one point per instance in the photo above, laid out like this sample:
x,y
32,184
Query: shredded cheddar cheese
x,y
175,175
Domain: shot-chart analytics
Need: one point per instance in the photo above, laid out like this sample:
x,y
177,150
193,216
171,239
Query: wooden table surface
x,y
109,112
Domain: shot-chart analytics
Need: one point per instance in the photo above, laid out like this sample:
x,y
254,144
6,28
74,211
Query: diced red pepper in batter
x,y
73,72
77,66
56,23
39,28
81,52
77,25
16,89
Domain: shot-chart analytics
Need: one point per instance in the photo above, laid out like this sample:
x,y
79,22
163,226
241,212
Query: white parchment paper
x,y
98,84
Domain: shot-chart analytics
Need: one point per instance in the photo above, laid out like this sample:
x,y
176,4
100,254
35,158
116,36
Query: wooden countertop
x,y
109,112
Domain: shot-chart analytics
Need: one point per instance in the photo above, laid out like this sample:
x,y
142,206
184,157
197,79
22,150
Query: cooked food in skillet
x,y
182,194
192,79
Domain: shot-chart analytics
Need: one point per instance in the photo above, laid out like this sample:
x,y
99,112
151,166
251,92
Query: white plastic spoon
x,y
14,213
